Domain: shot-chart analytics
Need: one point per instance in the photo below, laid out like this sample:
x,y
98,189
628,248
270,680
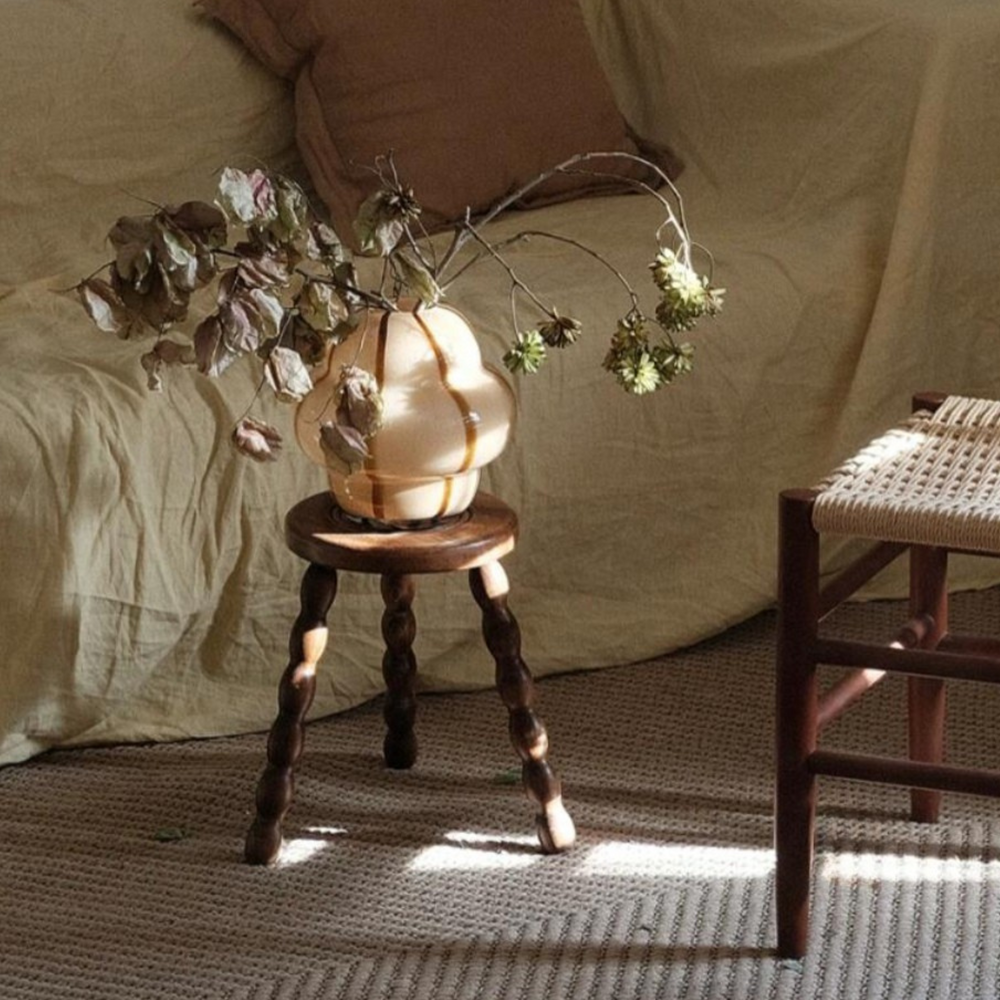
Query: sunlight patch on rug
x,y
678,860
465,850
907,868
295,850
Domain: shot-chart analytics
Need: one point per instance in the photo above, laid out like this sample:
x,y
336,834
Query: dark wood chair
x,y
473,542
929,487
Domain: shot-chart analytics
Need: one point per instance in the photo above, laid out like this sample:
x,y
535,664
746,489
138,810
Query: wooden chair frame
x,y
923,649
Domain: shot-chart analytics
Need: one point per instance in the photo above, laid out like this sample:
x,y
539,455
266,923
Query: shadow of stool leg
x,y
399,669
514,683
276,786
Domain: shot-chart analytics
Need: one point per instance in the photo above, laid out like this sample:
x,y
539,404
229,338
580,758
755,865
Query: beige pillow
x,y
474,97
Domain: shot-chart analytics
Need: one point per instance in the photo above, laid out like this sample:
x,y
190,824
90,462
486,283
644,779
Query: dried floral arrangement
x,y
286,287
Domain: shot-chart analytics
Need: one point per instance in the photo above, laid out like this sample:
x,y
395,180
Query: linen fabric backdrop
x,y
840,163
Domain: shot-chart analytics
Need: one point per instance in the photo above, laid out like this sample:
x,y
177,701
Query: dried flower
x,y
560,331
382,220
636,371
357,418
526,354
285,288
257,440
687,296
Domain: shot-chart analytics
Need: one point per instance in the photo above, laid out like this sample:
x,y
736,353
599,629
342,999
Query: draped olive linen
x,y
841,164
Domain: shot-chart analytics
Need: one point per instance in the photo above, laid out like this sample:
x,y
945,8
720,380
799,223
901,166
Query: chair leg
x,y
926,695
795,722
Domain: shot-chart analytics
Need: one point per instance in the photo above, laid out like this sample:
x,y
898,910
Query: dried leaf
x,y
322,243
247,198
357,418
291,208
269,309
177,254
161,303
310,344
359,401
167,834
211,353
172,353
236,196
378,230
347,276
204,223
418,279
287,375
165,352
510,776
133,238
257,440
345,328
262,270
229,285
344,447
320,306
241,326
105,307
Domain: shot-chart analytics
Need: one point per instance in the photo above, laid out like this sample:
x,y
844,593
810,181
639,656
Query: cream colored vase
x,y
446,416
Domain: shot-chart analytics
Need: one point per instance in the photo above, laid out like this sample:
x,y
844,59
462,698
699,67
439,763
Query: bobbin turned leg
x,y
926,695
503,638
399,669
276,786
795,721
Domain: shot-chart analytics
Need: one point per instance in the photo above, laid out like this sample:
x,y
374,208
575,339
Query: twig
x,y
470,229
463,234
593,253
481,256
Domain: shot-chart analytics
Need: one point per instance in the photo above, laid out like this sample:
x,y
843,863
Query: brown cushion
x,y
474,97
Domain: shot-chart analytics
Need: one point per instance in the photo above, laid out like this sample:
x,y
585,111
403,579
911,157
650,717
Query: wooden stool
x,y
930,487
318,531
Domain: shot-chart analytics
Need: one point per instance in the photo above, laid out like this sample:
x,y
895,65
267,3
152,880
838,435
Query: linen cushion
x,y
473,98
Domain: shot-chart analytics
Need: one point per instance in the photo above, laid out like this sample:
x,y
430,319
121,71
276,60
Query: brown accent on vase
x,y
471,434
446,488
378,494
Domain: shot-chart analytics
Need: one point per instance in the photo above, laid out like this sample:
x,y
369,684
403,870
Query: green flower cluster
x,y
687,296
528,352
641,365
638,360
638,364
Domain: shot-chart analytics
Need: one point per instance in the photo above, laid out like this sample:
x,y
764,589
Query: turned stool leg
x,y
503,638
926,695
276,786
399,669
795,722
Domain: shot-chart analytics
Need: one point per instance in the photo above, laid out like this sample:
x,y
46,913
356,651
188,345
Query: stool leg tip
x,y
556,831
399,750
262,847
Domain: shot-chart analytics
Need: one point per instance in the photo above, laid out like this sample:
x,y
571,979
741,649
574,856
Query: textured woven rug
x,y
427,884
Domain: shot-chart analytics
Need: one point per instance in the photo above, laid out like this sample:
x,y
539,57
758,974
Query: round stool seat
x,y
320,532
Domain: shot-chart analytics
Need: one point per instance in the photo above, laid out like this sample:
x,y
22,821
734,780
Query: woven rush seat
x,y
933,480
929,487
